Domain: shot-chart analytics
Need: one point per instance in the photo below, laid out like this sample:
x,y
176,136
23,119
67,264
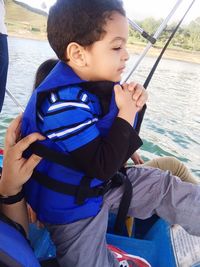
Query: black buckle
x,y
83,190
102,189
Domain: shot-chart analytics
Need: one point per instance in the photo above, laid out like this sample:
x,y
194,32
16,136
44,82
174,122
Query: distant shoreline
x,y
173,54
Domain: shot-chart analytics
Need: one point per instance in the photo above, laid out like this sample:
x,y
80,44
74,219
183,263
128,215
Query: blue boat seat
x,y
156,246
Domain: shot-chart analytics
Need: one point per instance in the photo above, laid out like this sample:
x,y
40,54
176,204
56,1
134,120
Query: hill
x,y
26,22
23,21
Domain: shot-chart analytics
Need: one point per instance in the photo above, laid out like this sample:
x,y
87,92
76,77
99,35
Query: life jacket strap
x,y
53,156
84,188
82,191
123,207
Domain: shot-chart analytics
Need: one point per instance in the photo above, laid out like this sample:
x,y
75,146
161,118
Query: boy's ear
x,y
75,53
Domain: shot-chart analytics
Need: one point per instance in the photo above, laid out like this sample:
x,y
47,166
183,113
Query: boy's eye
x,y
117,48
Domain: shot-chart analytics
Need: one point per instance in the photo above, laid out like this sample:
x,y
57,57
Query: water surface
x,y
172,121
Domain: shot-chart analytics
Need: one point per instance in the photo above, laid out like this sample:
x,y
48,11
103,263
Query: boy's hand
x,y
137,159
125,103
123,98
129,98
139,94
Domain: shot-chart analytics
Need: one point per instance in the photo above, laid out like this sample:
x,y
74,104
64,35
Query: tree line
x,y
187,36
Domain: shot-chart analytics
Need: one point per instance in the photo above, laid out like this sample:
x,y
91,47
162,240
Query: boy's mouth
x,y
121,69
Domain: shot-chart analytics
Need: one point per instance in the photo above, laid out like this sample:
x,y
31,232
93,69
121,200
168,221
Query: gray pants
x,y
83,243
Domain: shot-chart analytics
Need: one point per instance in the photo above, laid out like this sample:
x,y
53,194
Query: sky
x,y
139,9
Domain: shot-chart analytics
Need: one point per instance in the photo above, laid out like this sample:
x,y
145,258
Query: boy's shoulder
x,y
71,94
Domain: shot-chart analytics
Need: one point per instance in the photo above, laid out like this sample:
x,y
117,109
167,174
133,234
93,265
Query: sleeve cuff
x,y
129,133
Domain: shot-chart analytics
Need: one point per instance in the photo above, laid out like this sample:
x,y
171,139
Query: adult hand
x,y
16,169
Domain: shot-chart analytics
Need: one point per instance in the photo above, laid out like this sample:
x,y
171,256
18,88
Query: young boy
x,y
70,108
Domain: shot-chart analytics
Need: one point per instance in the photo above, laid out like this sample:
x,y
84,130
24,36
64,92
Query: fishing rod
x,y
151,73
14,100
152,40
145,34
165,47
133,24
155,38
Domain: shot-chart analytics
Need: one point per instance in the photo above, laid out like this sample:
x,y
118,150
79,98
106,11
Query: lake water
x,y
172,121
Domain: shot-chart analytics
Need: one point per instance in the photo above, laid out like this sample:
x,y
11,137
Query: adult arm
x,y
16,171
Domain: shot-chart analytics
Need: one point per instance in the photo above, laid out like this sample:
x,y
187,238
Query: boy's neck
x,y
80,72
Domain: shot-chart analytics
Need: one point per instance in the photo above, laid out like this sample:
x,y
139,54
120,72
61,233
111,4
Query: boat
x,y
161,245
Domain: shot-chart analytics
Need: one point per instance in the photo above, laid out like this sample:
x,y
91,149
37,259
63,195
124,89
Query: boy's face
x,y
106,58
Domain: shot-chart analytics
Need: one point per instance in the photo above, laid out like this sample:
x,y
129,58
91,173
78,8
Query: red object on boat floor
x,y
1,151
128,260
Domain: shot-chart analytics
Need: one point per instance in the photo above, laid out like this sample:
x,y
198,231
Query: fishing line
x,y
14,100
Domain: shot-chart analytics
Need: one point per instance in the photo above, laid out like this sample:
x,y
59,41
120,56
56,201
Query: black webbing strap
x,y
49,263
54,185
123,207
82,191
53,156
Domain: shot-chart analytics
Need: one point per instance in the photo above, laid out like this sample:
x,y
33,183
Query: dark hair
x,y
79,21
44,69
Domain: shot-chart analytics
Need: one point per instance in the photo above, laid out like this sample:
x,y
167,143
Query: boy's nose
x,y
126,55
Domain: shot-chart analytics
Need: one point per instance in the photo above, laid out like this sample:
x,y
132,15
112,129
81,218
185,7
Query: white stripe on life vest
x,y
39,115
60,134
53,97
66,104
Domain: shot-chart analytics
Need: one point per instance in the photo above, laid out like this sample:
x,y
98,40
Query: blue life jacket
x,y
51,206
15,250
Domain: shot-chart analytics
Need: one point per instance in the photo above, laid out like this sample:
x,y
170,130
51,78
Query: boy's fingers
x,y
125,86
117,89
138,92
142,100
132,86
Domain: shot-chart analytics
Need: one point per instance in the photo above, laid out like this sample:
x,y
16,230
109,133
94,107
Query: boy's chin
x,y
111,79
117,80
